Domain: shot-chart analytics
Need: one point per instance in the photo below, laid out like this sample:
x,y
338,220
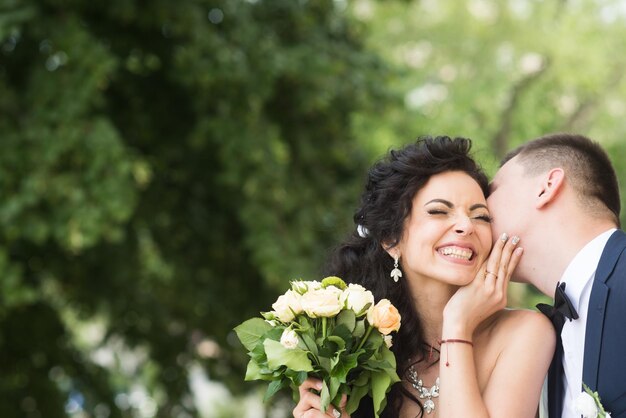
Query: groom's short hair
x,y
586,165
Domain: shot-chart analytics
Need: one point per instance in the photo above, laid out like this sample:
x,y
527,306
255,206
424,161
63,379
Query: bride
x,y
459,352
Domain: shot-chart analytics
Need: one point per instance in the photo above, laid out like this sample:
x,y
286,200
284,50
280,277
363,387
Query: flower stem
x,y
324,319
367,334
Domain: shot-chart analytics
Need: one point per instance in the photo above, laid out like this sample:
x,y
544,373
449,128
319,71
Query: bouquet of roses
x,y
326,330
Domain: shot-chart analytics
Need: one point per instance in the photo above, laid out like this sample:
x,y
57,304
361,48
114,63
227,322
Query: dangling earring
x,y
396,273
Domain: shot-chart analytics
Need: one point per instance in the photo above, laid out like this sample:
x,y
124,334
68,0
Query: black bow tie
x,y
562,308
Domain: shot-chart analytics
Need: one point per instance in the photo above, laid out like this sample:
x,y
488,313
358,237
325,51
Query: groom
x,y
559,193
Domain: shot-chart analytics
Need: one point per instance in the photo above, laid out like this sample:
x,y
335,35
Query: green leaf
x,y
381,382
295,359
344,333
354,399
250,331
336,400
347,318
309,342
275,387
253,371
373,364
334,387
334,281
362,379
305,323
340,342
389,357
374,341
325,363
359,329
296,377
324,397
258,354
344,366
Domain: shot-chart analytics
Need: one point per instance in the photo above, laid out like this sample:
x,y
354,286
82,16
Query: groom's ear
x,y
550,187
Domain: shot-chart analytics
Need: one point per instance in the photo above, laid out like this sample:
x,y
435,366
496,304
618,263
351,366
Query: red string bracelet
x,y
453,340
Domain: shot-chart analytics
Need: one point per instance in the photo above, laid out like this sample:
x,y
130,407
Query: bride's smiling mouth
x,y
460,252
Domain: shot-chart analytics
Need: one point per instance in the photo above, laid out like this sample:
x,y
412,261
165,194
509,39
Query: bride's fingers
x,y
493,263
309,384
504,270
309,403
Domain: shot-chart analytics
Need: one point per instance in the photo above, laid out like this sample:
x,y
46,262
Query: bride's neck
x,y
429,303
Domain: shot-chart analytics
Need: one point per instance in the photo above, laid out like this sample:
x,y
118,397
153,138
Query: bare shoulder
x,y
525,326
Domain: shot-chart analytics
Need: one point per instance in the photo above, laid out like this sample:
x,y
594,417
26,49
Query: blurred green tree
x,y
165,168
500,72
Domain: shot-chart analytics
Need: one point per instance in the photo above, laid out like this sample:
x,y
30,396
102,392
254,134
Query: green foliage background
x,y
166,167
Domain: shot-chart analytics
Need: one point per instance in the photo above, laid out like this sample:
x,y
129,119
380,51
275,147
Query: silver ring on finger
x,y
487,272
336,413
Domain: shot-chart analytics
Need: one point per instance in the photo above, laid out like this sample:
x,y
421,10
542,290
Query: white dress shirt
x,y
579,277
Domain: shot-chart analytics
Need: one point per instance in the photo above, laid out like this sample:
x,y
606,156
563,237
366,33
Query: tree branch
x,y
500,140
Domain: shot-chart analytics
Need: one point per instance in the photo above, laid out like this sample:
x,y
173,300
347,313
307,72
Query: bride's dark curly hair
x,y
392,183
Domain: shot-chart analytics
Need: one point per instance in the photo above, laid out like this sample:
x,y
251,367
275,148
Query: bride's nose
x,y
463,225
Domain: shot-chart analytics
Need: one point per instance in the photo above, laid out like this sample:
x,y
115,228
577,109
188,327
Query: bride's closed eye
x,y
484,217
437,212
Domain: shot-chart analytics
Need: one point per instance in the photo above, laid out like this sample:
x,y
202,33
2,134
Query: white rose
x,y
357,298
586,405
314,285
299,286
289,339
388,341
322,302
287,306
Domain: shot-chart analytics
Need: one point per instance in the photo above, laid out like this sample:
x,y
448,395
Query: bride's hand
x,y
486,294
309,404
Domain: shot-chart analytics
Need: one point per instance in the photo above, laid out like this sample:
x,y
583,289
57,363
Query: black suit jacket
x,y
604,365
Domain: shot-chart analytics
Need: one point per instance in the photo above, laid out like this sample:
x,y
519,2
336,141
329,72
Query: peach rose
x,y
384,316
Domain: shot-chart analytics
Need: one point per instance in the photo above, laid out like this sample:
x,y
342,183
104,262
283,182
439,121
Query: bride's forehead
x,y
457,186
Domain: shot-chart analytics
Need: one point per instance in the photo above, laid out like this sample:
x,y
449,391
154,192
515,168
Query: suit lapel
x,y
593,333
597,307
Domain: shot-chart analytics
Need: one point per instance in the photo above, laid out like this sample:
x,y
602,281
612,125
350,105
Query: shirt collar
x,y
583,267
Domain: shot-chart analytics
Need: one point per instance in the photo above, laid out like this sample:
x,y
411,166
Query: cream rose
x,y
287,306
388,340
384,316
322,302
289,339
586,405
300,286
357,298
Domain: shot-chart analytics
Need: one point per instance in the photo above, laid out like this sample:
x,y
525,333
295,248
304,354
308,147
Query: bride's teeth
x,y
457,253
